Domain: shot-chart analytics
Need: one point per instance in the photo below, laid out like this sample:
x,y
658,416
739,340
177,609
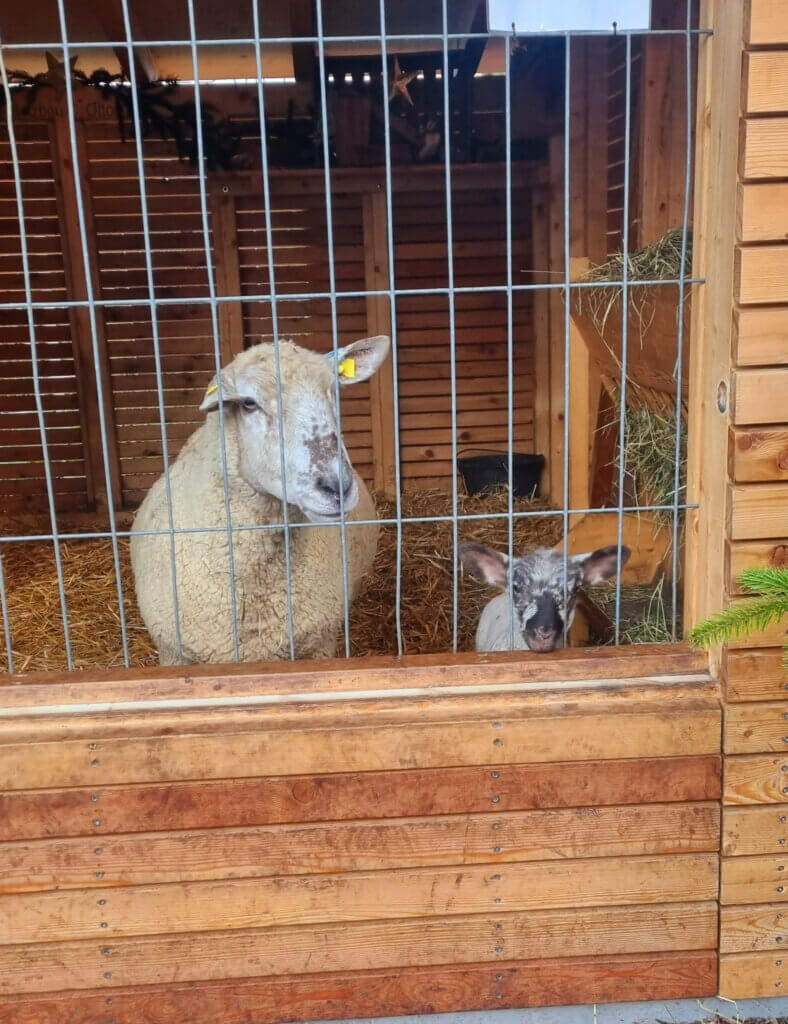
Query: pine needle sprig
x,y
770,604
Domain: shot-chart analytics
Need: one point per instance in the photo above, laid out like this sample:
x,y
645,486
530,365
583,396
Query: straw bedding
x,y
426,603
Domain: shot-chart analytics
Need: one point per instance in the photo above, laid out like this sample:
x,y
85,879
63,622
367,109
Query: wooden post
x,y
714,245
584,393
81,331
557,321
228,274
540,261
381,385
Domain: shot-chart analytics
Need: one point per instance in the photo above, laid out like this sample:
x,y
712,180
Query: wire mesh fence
x,y
290,523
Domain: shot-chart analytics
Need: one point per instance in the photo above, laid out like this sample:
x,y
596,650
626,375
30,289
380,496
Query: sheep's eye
x,y
250,405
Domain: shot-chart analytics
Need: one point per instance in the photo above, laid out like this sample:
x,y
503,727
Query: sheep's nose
x,y
541,633
329,485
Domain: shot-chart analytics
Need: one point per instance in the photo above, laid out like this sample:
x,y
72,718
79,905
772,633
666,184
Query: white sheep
x,y
312,453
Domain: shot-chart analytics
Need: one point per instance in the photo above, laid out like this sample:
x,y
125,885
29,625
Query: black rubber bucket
x,y
480,472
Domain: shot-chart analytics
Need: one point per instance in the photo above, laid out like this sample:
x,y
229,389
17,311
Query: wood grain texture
x,y
752,975
755,779
755,675
467,986
755,879
756,728
359,846
754,830
766,82
764,150
754,554
338,675
760,396
763,212
749,928
646,732
366,945
758,511
762,334
377,895
236,803
758,455
767,24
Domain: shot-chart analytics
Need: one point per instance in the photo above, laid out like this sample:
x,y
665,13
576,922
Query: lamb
x,y
537,593
316,467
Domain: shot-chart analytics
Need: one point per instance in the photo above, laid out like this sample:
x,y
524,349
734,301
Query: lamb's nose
x,y
541,633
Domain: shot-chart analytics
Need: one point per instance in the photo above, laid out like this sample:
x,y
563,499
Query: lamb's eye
x,y
250,405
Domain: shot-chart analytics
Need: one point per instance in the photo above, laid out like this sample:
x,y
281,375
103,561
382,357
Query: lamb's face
x,y
543,606
319,476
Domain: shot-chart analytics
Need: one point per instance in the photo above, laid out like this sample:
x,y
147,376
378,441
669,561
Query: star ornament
x,y
400,80
56,72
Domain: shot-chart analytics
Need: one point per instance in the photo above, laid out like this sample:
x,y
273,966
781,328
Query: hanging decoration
x,y
161,113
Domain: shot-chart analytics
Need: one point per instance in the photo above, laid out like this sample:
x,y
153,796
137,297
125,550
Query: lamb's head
x,y
537,582
317,466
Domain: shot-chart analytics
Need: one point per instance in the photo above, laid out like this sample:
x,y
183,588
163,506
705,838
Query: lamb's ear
x,y
359,360
485,564
229,393
601,564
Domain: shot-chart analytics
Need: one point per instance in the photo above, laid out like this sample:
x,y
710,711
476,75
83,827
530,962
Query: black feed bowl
x,y
480,472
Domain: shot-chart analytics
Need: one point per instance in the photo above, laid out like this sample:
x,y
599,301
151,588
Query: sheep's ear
x,y
485,564
229,393
601,564
361,359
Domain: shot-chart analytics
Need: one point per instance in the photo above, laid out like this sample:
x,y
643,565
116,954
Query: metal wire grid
x,y
153,302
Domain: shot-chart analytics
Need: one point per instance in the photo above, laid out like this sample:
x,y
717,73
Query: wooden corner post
x,y
381,386
80,316
714,248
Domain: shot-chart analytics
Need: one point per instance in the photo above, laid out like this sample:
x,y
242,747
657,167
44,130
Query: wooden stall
x,y
323,841
381,836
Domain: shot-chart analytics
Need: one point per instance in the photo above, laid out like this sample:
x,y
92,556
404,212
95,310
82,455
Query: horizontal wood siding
x,y
755,815
338,855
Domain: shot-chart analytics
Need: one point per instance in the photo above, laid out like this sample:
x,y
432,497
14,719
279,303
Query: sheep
x,y
537,593
316,467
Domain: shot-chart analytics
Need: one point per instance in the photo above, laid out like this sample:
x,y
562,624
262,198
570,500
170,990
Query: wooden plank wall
x,y
185,329
755,816
22,481
526,836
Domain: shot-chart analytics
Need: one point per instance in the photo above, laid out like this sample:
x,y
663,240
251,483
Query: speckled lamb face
x,y
318,474
540,607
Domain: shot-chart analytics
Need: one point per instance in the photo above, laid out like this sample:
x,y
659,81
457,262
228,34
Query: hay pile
x,y
92,599
660,261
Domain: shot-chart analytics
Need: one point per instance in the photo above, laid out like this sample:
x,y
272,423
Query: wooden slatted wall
x,y
423,329
755,818
22,482
311,859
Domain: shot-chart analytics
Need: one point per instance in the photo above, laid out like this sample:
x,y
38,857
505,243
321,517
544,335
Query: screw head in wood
x,y
94,798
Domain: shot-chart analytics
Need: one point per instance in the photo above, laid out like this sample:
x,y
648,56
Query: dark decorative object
x,y
161,115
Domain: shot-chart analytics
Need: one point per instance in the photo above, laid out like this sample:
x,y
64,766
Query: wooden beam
x,y
228,275
762,336
753,975
766,82
82,330
381,385
540,262
759,455
764,148
714,233
767,24
557,272
758,511
302,23
501,983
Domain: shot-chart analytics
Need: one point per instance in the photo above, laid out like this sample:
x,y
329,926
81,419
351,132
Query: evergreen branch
x,y
765,581
740,620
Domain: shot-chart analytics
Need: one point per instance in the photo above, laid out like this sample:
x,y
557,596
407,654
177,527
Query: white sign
x,y
529,16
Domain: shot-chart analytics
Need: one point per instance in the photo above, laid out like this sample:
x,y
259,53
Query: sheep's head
x,y
317,466
538,585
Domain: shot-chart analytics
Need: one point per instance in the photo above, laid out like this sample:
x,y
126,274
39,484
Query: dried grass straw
x,y
91,594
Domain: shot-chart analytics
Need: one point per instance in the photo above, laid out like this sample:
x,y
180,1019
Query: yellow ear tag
x,y
212,388
347,368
